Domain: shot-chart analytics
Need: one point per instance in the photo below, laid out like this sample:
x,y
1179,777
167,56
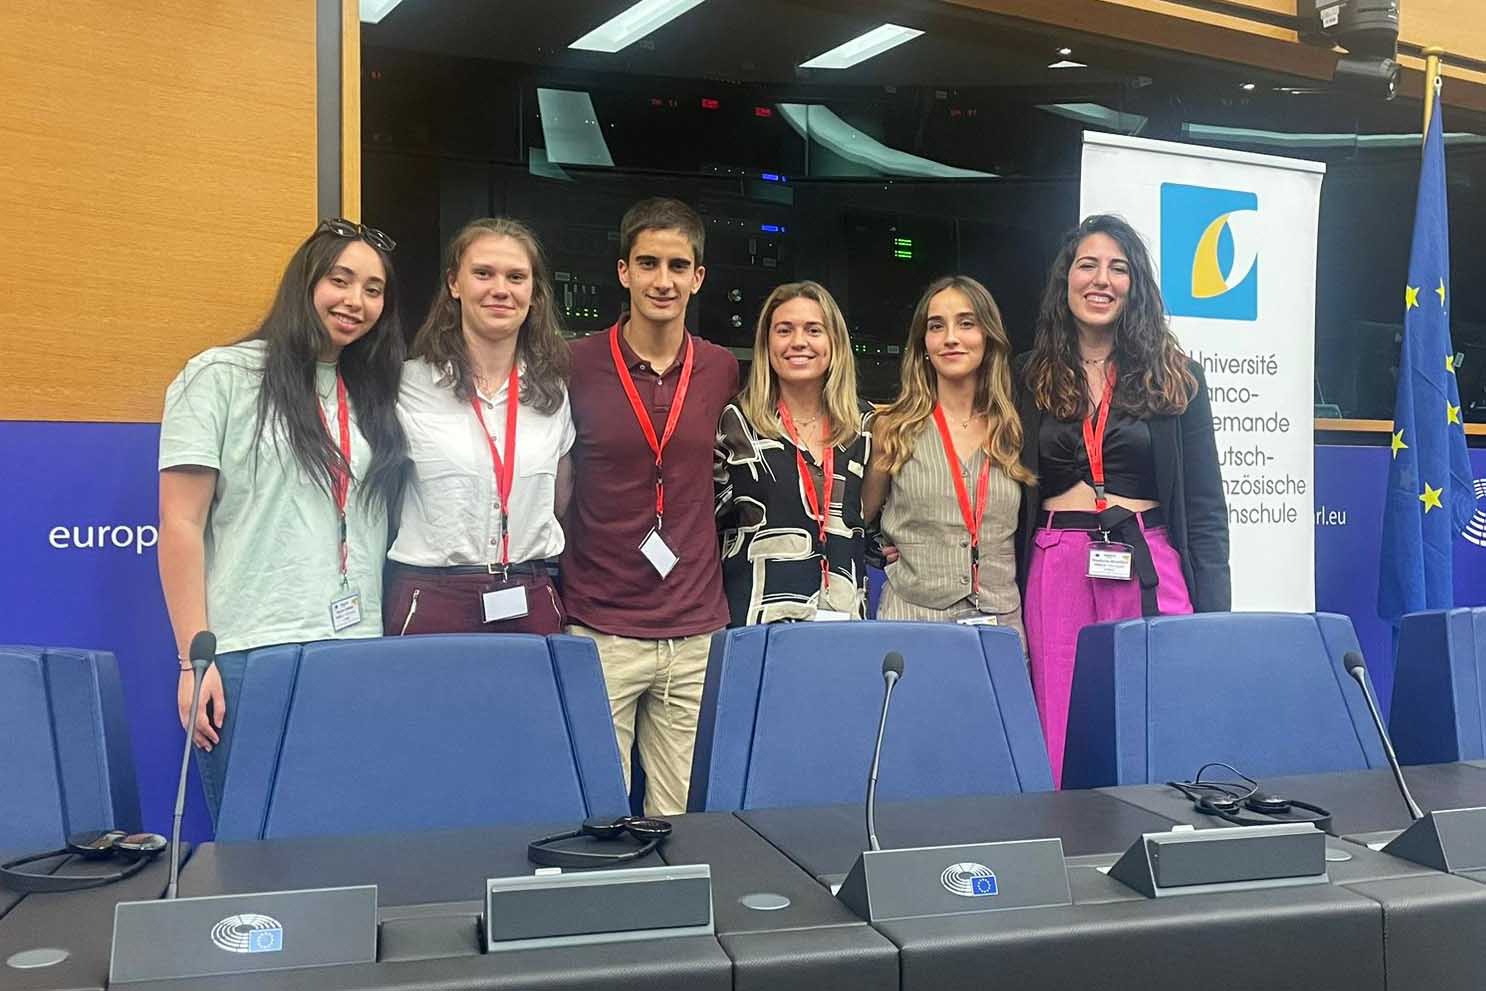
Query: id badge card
x,y
832,616
658,553
1110,559
982,620
345,610
504,603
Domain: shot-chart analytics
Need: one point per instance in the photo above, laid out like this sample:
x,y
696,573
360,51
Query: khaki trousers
x,y
655,696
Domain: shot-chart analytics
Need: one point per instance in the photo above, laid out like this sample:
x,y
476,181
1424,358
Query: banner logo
x,y
968,880
1209,252
249,933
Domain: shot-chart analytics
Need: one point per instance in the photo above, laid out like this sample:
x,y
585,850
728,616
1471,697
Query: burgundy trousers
x,y
424,602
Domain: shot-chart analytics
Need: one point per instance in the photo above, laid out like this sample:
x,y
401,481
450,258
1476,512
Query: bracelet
x,y
185,668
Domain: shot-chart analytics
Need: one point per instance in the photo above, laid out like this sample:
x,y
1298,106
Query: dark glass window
x,y
957,151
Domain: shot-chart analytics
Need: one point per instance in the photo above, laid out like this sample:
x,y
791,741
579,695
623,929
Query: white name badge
x,y
658,553
1110,560
345,610
979,621
504,603
832,616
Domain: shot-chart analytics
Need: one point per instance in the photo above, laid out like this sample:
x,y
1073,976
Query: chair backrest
x,y
790,711
66,764
1439,692
1154,699
416,733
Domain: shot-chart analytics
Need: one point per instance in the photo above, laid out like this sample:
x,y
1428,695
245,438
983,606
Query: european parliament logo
x,y
1209,252
249,933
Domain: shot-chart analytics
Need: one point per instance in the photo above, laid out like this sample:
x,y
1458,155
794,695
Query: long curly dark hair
x,y
539,343
372,369
1154,377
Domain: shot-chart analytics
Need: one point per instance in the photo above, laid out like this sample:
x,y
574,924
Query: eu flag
x,y
1429,482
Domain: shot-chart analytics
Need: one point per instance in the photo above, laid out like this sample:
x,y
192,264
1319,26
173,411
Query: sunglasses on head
x,y
341,227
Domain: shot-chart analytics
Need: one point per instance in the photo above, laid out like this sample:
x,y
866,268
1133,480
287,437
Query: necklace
x,y
1094,361
802,422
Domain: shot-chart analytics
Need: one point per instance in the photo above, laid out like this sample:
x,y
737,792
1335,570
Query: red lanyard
x,y
820,506
504,467
340,472
1094,441
982,490
657,447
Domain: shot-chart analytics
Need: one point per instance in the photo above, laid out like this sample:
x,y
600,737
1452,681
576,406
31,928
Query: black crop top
x,y
1129,469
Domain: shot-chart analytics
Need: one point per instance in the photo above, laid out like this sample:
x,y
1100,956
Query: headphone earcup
x,y
141,846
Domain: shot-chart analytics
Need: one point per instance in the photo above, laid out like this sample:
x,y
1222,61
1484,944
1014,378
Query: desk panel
x,y
1359,801
80,922
825,841
812,943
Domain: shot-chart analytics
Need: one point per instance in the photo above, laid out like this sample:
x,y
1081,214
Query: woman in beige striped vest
x,y
946,470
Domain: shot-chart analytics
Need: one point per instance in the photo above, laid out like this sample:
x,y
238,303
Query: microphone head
x,y
203,648
1353,662
893,663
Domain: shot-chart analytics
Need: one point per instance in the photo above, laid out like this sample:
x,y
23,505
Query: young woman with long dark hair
x,y
1129,517
485,406
279,458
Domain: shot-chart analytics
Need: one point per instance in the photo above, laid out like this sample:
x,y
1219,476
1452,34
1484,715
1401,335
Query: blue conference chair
x,y
1154,699
418,733
65,760
1439,693
789,716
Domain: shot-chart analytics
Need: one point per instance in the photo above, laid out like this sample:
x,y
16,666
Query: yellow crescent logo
x,y
1208,277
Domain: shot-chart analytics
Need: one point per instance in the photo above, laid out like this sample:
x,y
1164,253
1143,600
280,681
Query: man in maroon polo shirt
x,y
641,574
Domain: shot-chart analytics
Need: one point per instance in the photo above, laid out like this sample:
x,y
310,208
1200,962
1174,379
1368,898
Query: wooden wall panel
x,y
351,109
158,170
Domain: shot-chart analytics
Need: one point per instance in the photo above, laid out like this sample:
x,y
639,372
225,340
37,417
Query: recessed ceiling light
x,y
1067,64
863,47
632,24
1065,51
1247,87
372,11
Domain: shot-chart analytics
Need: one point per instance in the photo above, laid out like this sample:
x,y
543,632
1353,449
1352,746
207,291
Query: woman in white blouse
x,y
490,475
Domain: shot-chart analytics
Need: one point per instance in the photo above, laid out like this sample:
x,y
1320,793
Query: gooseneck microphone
x,y
892,670
203,653
1357,668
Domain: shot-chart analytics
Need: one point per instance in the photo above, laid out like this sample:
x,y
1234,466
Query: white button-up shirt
x,y
451,512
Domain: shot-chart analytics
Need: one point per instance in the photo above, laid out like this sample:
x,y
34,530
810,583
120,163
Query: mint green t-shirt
x,y
272,549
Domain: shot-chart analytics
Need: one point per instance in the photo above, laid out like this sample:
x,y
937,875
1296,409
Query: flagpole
x,y
1432,83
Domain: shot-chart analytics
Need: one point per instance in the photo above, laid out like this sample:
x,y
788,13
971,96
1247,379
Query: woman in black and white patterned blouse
x,y
791,454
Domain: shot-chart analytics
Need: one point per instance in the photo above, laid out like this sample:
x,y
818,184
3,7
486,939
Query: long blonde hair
x,y
897,427
759,399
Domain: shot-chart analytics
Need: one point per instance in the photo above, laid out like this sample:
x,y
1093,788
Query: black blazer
x,y
1188,486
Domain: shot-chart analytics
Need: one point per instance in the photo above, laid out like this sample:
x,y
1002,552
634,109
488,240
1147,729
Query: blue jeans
x,y
212,765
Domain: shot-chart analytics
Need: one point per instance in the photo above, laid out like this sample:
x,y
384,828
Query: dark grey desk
x,y
1359,801
80,922
429,891
1312,937
825,841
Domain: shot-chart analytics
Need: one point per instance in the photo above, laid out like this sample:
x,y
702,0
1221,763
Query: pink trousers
x,y
1061,600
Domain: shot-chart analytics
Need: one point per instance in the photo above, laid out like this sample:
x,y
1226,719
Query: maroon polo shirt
x,y
607,583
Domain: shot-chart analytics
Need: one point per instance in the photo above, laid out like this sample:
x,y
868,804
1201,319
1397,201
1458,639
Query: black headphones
x,y
135,849
1228,800
650,832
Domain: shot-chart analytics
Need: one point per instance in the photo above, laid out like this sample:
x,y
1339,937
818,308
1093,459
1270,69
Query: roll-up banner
x,y
1233,238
